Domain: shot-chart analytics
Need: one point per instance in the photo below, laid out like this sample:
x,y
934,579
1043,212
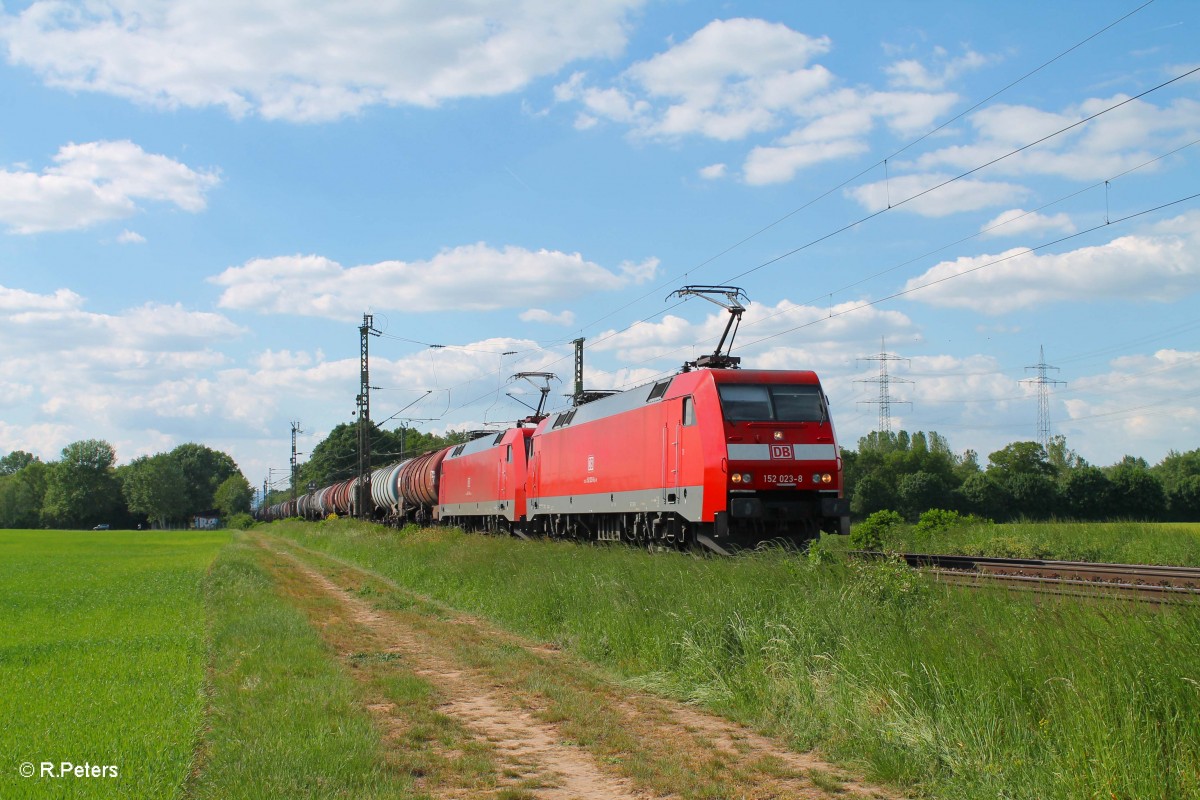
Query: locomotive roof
x,y
666,389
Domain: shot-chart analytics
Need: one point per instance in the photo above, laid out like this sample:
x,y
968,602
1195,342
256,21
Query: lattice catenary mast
x,y
363,485
1043,384
885,401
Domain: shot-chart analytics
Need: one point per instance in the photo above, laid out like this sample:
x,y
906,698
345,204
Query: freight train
x,y
713,456
718,457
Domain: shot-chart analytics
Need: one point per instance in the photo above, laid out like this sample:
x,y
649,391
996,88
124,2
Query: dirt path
x,y
552,728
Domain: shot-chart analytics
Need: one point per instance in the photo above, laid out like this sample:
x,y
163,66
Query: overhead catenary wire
x,y
610,335
826,193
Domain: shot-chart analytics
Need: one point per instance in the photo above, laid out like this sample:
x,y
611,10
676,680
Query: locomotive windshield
x,y
763,402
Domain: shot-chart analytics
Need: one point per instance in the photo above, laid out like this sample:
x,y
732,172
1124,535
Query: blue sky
x,y
199,201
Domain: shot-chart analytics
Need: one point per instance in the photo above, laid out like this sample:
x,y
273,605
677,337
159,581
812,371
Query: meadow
x,y
946,692
102,659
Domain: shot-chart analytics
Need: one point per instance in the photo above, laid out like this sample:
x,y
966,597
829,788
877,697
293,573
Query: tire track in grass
x,y
556,723
536,763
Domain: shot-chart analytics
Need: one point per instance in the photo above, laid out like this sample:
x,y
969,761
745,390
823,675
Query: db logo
x,y
781,451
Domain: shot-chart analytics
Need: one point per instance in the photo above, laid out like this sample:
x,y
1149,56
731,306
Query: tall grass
x,y
956,693
101,658
1166,543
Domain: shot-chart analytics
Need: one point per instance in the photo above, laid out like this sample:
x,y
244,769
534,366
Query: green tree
x,y
81,488
1183,500
1021,458
1177,468
22,495
233,496
203,470
871,494
1032,495
154,487
1087,494
1062,458
1137,493
920,491
16,461
984,495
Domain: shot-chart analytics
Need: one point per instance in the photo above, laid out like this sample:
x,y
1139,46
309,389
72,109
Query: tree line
x,y
1024,480
85,487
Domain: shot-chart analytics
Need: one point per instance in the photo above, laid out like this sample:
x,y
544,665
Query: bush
x,y
241,521
938,520
871,532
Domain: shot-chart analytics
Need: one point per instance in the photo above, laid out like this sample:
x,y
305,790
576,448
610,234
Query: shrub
x,y
871,532
938,520
242,521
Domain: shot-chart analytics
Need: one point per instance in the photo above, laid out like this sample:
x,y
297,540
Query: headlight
x,y
737,478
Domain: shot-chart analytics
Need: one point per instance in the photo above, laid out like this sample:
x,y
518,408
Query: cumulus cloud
x,y
737,78
1017,221
1117,141
912,193
912,74
1140,398
131,237
97,182
542,315
307,61
819,333
1159,265
471,277
713,172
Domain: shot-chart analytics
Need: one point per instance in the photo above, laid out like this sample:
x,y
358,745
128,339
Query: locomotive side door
x,y
672,437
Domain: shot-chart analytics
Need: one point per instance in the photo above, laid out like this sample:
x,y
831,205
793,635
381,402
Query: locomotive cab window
x,y
772,402
689,411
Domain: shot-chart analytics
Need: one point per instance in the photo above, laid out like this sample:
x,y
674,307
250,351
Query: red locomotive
x,y
715,455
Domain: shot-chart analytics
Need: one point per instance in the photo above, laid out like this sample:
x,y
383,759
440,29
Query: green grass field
x,y
102,657
180,660
947,692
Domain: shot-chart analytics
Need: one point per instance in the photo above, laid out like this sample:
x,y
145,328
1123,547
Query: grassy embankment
x,y
102,655
950,692
1165,543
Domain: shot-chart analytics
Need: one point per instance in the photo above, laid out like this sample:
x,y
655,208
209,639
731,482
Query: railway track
x,y
1166,584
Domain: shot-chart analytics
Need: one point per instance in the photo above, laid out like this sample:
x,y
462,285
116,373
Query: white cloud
x,y
906,193
565,318
1141,398
729,79
1160,265
1017,221
713,172
830,332
1115,142
467,278
308,61
912,74
131,237
96,182
736,78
